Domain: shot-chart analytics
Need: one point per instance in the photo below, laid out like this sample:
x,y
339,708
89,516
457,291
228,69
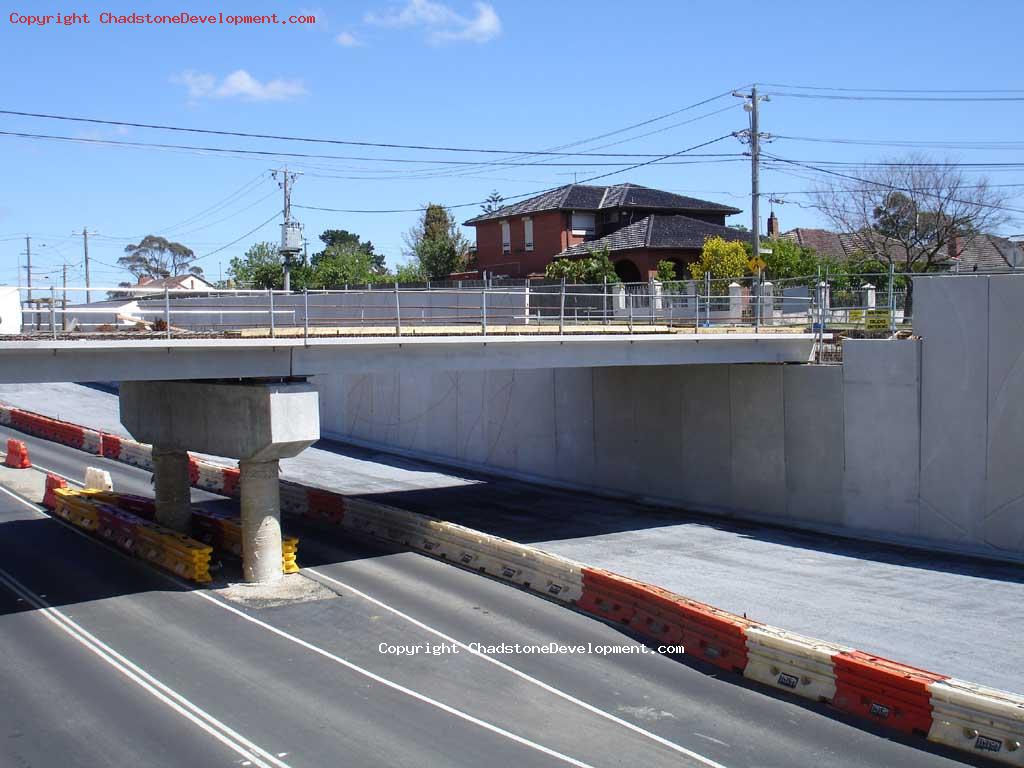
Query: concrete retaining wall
x,y
910,440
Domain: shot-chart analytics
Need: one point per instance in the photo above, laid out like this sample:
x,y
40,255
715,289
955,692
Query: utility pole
x,y
85,250
28,267
754,136
291,232
64,298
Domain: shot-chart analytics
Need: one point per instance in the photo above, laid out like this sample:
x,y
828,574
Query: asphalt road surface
x,y
955,615
107,661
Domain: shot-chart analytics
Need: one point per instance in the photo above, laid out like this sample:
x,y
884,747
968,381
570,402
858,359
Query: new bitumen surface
x,y
953,615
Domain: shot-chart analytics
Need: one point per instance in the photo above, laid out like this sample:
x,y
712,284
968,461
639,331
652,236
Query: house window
x,y
583,223
528,232
506,237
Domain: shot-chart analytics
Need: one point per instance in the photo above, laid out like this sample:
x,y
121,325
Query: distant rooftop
x,y
658,231
582,197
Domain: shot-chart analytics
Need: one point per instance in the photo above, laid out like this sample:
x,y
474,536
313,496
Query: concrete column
x,y
869,295
173,488
261,520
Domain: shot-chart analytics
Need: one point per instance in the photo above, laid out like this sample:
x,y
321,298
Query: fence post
x,y
892,300
629,310
654,289
273,330
604,298
707,298
167,311
561,309
757,303
398,311
483,310
696,306
53,312
305,311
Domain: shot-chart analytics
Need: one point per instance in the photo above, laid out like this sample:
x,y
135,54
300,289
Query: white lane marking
x,y
337,659
397,686
523,675
143,679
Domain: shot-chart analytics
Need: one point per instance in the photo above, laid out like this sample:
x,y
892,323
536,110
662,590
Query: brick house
x,y
640,226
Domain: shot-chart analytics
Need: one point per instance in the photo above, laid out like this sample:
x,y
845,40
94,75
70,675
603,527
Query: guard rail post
x,y
167,312
305,312
398,311
483,311
53,318
273,330
561,309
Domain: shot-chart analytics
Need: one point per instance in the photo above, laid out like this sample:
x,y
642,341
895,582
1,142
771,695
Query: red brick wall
x,y
646,260
550,237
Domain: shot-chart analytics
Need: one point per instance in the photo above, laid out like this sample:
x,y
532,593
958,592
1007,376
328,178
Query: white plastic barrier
x,y
791,662
98,479
973,718
91,440
136,454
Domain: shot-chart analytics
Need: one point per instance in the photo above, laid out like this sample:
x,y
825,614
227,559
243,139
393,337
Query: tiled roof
x,y
990,253
979,253
594,198
657,231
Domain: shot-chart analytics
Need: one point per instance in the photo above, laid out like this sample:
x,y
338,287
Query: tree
x,y
724,259
667,271
595,268
436,243
409,272
157,257
788,259
260,267
340,265
493,202
342,237
912,213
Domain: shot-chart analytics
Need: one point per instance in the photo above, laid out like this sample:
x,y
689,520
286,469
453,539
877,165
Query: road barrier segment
x,y
87,509
965,716
17,455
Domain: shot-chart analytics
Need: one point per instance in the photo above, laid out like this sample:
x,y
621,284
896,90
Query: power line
x,y
525,194
347,142
849,97
233,242
893,90
267,153
894,187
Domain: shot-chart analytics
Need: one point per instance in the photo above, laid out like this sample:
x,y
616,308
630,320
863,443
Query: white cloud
x,y
238,84
348,40
442,23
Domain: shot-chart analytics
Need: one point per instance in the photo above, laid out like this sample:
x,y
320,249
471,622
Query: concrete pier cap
x,y
257,422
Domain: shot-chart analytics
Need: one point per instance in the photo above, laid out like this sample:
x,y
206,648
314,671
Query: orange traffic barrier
x,y
52,482
713,635
882,690
17,454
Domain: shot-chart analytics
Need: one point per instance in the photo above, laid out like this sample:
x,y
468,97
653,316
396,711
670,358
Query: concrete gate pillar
x,y
173,488
256,422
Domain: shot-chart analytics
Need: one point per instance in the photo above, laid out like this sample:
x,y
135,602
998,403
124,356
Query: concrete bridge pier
x,y
257,422
172,487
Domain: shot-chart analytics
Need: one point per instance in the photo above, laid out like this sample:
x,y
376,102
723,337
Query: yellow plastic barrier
x,y
176,552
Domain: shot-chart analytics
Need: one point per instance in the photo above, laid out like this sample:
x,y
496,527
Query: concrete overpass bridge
x,y
248,399
48,360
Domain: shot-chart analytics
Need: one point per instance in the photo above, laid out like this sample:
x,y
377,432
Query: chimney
x,y
954,248
773,225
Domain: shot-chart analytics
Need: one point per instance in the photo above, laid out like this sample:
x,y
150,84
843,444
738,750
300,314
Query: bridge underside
x,y
23,362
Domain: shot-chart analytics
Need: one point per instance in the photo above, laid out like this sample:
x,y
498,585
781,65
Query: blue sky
x,y
520,75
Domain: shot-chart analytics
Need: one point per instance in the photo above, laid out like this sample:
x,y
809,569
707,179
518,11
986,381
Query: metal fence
x,y
519,307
